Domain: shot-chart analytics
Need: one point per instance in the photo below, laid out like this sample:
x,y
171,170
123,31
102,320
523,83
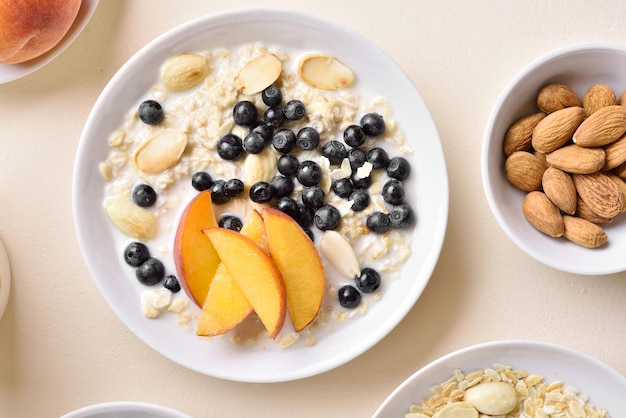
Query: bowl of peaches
x,y
255,208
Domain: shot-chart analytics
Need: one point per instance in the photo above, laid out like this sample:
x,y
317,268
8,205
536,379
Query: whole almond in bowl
x,y
580,91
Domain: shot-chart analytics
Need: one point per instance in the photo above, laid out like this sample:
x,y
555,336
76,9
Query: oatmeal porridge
x,y
260,127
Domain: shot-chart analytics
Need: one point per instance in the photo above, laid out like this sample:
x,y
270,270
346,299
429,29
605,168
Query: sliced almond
x,y
161,151
457,410
338,251
184,71
258,74
132,220
324,72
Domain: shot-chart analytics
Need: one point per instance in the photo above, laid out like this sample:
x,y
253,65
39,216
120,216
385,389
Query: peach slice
x,y
255,274
195,258
225,305
297,259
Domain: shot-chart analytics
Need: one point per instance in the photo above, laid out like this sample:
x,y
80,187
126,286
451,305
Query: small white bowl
x,y
604,386
126,410
5,279
579,67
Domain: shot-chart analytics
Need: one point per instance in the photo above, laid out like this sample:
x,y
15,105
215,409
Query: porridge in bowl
x,y
259,193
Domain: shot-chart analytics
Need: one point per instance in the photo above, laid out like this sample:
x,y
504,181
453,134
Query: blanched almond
x,y
338,251
578,160
492,398
258,74
259,167
519,136
543,214
524,171
325,72
556,96
184,71
132,220
604,126
560,189
557,128
600,193
583,232
161,151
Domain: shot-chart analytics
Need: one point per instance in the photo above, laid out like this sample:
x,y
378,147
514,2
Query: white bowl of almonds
x,y
509,378
552,159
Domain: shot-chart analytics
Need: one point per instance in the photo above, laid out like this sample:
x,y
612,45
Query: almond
x,y
524,171
557,128
132,220
519,136
615,154
184,71
622,99
325,72
578,160
543,214
560,189
555,97
258,74
583,211
161,151
340,254
620,170
583,232
622,186
600,193
597,97
604,126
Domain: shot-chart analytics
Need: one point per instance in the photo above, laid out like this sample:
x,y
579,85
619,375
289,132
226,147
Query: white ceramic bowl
x,y
429,195
578,66
126,410
604,386
5,279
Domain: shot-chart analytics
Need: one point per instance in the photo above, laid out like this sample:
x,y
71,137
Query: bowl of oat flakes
x,y
161,139
541,192
510,378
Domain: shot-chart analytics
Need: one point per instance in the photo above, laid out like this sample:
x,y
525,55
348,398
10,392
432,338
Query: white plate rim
x,y
11,72
401,309
124,407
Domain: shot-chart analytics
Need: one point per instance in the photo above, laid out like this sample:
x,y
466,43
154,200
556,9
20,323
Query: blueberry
x,y
401,216
144,195
360,182
372,124
261,192
284,140
313,197
273,117
136,254
283,186
360,199
229,147
253,143
233,188
378,158
264,130
288,165
368,281
201,180
309,173
245,113
335,151
307,139
378,222
305,215
231,222
357,158
294,110
150,112
309,233
327,217
393,192
218,194
348,296
150,272
272,96
398,168
343,188
354,136
171,283
289,206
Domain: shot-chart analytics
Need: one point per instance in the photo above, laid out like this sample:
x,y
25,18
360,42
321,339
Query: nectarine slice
x,y
255,274
297,259
225,305
194,255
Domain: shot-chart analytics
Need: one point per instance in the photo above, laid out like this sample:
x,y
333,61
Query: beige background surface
x,y
61,346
